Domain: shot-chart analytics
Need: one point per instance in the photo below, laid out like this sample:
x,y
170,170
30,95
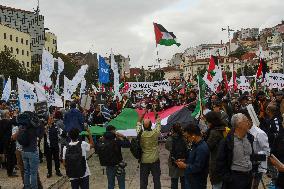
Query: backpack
x,y
75,162
23,137
135,147
108,152
179,149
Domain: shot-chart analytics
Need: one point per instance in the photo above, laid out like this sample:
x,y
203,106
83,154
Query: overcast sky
x,y
126,26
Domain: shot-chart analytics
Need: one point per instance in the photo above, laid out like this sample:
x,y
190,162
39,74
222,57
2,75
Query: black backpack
x,y
109,153
75,162
179,149
135,147
24,136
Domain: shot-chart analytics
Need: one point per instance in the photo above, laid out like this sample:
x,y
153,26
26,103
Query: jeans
x,y
240,180
82,183
174,183
110,171
31,163
145,170
256,180
217,186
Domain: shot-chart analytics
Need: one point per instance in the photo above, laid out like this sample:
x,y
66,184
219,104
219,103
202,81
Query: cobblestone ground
x,y
98,177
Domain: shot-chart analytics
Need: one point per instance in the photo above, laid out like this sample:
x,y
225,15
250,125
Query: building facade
x,y
28,22
50,43
17,43
249,33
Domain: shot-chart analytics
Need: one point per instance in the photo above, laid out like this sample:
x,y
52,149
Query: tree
x,y
70,69
239,52
10,67
33,75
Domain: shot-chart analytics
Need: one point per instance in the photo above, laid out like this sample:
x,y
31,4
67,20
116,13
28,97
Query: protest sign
x,y
86,101
149,87
274,80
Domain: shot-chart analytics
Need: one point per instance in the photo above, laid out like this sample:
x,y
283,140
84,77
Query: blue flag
x,y
103,70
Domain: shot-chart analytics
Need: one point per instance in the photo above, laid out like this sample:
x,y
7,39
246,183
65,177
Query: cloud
x,y
126,25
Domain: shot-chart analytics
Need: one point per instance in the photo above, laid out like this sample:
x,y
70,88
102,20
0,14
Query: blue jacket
x,y
198,162
73,119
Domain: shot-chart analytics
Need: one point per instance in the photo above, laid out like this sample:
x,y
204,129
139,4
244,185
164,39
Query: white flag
x,y
83,86
67,92
54,100
114,67
41,94
95,89
26,94
78,78
7,90
60,64
47,62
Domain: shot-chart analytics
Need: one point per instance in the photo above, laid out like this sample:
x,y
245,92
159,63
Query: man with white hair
x,y
233,159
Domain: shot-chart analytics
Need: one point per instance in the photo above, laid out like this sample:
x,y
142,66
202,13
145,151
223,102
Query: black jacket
x,y
225,156
278,150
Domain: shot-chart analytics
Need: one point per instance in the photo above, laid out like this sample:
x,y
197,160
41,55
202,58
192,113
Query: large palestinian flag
x,y
125,122
163,37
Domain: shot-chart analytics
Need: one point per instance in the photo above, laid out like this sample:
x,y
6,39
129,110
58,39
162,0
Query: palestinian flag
x,y
213,76
201,97
163,37
233,81
262,69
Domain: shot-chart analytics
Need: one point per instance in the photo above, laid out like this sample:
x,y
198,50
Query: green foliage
x,y
157,75
92,75
33,74
239,52
70,69
247,70
9,66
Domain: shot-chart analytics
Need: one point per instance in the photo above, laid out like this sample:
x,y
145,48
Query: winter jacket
x,y
73,119
215,136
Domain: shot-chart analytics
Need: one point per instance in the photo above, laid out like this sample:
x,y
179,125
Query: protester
x,y
150,162
277,150
109,151
233,159
52,148
30,131
126,103
178,148
196,164
260,147
274,125
215,135
75,159
73,119
217,107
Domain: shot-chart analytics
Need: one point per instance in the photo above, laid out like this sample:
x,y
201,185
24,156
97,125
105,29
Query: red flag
x,y
235,84
212,65
225,80
260,68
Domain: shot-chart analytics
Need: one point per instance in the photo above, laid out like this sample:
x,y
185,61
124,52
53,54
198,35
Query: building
x,y
176,60
249,33
18,43
172,74
123,65
50,43
27,22
279,28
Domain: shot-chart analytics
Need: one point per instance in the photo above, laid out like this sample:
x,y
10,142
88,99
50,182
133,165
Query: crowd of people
x,y
237,139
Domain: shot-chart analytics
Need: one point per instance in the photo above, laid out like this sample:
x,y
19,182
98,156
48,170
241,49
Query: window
x,y
11,49
11,38
22,40
5,36
17,50
16,39
28,53
5,47
23,63
23,52
27,42
28,64
47,48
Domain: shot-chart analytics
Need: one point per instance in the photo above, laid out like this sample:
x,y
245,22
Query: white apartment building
x,y
247,33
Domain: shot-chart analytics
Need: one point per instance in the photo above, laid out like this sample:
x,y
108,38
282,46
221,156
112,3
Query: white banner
x,y
54,100
216,80
274,80
27,97
7,90
244,84
148,87
44,78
